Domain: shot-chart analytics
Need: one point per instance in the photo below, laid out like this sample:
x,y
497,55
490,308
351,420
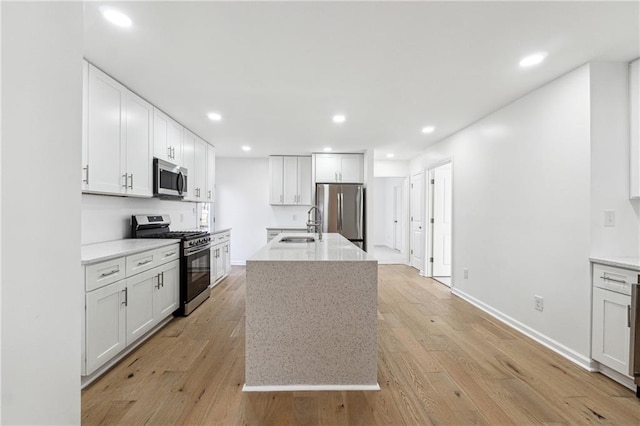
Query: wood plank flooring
x,y
440,361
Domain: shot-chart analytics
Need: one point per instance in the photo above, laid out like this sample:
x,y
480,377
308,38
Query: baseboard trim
x,y
625,381
573,356
239,262
299,388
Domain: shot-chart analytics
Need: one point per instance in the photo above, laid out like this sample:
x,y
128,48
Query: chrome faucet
x,y
317,224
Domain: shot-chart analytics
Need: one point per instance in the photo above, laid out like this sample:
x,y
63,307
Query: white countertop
x,y
333,247
632,263
98,252
219,231
285,228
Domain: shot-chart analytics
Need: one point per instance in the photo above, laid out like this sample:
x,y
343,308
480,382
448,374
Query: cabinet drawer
x,y
104,273
220,238
141,262
614,279
168,254
271,234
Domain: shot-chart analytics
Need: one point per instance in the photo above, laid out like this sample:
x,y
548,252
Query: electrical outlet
x,y
466,273
609,218
539,303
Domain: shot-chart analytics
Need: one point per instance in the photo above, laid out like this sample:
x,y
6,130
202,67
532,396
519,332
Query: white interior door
x,y
417,222
442,221
397,217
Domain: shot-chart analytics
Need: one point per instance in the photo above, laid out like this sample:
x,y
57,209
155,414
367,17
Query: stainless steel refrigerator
x,y
341,208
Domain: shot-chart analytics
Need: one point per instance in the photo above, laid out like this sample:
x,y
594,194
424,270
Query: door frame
x,y
398,225
429,198
421,206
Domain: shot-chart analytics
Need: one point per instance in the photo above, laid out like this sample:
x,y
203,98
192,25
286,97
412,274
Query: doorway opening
x,y
390,221
417,222
439,241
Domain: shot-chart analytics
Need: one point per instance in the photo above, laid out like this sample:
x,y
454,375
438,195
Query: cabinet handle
x,y
173,152
170,254
131,184
209,194
162,276
86,180
629,316
106,274
613,279
145,262
126,297
169,152
158,278
126,180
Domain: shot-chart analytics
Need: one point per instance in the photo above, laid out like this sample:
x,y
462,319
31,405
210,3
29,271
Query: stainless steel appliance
x,y
169,180
342,210
195,257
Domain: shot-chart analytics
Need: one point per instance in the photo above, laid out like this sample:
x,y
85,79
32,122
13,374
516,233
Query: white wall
x,y
242,203
391,168
521,212
107,218
41,275
610,163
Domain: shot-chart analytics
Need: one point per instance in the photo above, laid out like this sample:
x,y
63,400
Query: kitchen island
x,y
311,316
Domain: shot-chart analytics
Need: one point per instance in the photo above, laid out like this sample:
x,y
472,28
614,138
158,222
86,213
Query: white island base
x,y
311,317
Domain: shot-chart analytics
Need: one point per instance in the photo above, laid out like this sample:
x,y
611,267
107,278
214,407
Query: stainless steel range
x,y
195,257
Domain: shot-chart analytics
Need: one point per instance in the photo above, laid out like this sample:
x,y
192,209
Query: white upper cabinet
x,y
195,155
117,149
167,138
339,168
634,97
211,173
290,179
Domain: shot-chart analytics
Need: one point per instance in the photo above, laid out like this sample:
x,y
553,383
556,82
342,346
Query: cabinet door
x,y
105,324
161,148
290,180
138,121
326,168
350,169
105,134
140,289
85,118
304,180
214,272
219,262
166,297
201,169
276,176
211,173
610,339
174,141
188,162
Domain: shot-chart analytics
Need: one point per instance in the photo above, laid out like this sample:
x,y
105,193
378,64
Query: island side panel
x,y
311,323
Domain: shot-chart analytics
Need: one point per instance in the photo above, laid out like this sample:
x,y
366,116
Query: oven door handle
x,y
196,250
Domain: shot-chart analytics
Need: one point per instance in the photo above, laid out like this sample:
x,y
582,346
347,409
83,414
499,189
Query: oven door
x,y
198,271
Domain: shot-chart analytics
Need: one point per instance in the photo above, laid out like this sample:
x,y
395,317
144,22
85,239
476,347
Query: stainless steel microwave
x,y
169,180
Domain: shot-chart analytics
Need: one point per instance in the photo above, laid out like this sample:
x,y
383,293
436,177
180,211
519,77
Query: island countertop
x,y
332,247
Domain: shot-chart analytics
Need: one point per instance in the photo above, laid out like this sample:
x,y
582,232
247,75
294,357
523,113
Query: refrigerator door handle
x,y
340,212
634,344
359,212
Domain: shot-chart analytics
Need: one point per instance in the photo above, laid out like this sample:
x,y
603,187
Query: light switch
x,y
609,218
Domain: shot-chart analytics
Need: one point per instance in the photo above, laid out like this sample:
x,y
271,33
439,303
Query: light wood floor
x,y
440,361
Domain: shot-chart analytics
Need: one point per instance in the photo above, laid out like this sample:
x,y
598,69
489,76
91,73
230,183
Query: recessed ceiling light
x,y
327,149
214,116
428,129
532,60
246,148
115,16
390,155
339,118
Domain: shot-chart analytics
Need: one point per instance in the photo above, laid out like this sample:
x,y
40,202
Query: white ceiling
x,y
277,72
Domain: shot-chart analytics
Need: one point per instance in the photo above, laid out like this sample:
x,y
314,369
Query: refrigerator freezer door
x,y
351,209
327,200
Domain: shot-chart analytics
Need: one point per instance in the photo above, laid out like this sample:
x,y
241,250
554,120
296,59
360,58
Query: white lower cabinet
x,y
220,255
610,337
120,313
105,318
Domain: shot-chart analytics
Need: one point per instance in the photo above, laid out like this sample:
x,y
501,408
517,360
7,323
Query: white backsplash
x,y
107,218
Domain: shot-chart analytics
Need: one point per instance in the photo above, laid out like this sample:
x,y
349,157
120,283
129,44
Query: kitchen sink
x,y
297,240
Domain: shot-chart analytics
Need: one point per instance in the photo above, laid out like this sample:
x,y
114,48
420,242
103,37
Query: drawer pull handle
x,y
106,274
170,254
613,279
145,262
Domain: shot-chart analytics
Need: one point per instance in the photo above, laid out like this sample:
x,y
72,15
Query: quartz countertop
x,y
333,247
99,252
219,231
632,263
286,228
